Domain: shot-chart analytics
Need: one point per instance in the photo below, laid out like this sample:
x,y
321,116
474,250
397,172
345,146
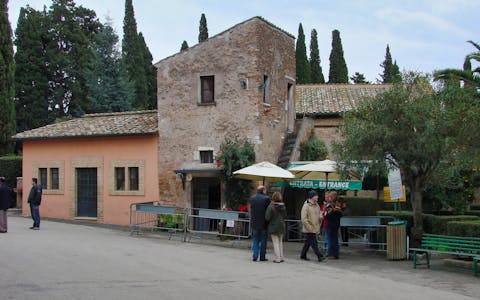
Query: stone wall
x,y
238,58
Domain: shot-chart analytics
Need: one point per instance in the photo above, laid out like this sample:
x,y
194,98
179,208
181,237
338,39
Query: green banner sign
x,y
351,185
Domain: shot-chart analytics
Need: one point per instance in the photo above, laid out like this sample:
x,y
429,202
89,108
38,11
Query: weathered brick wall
x,y
326,129
245,52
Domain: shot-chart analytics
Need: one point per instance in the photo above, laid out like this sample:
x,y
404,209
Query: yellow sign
x,y
386,195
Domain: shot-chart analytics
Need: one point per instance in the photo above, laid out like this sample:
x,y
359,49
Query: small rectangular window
x,y
42,174
133,178
207,89
266,88
206,157
55,180
119,179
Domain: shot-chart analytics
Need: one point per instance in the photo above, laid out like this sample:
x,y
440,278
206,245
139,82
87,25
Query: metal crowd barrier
x,y
152,216
220,223
188,221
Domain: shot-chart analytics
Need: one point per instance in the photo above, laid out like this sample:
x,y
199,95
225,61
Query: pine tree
x,y
391,71
7,91
184,46
316,73
203,30
359,78
132,56
338,72
150,72
108,87
32,90
301,60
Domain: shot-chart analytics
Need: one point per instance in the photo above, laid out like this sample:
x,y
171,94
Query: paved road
x,y
69,261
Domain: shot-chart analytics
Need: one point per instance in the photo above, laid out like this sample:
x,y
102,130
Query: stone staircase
x,y
289,146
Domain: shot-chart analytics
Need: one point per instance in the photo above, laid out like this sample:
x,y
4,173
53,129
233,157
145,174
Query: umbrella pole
x,y
326,182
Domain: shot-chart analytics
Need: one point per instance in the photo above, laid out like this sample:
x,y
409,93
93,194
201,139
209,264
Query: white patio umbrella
x,y
264,171
318,170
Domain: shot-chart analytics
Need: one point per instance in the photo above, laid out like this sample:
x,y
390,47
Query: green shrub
x,y
11,168
313,149
465,228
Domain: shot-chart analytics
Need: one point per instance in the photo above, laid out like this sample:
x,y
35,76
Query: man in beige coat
x,y
311,225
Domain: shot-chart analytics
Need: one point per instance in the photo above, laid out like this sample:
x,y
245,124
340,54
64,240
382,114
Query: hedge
x,y
473,212
362,206
465,228
431,223
11,168
440,223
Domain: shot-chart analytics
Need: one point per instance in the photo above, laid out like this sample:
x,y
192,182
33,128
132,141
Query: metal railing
x,y
154,217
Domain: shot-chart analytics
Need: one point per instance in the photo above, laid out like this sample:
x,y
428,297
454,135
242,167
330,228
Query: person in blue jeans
x,y
35,199
258,204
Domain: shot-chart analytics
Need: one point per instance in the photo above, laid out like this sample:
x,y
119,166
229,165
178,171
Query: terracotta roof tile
x,y
105,124
318,99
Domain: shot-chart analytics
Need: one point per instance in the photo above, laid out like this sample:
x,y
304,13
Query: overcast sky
x,y
424,35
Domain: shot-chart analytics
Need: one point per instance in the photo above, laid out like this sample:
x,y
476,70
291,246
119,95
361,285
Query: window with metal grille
x,y
43,177
207,89
133,178
119,179
54,178
206,157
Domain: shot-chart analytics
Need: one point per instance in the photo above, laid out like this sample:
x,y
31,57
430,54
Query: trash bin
x,y
397,240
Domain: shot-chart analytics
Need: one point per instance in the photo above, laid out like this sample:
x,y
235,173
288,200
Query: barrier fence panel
x,y
152,216
225,223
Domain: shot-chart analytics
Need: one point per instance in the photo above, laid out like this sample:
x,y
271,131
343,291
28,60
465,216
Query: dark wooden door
x,y
87,192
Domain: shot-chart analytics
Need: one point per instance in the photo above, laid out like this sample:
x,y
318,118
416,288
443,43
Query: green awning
x,y
351,185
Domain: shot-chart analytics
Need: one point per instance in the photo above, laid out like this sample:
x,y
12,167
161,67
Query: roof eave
x,y
21,139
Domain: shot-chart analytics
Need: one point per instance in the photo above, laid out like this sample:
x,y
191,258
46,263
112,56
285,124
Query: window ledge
x,y
207,104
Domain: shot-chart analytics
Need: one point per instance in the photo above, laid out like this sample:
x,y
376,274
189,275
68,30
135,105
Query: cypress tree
x,y
301,60
338,72
69,55
203,30
32,90
184,46
132,56
7,91
316,73
150,72
391,71
108,87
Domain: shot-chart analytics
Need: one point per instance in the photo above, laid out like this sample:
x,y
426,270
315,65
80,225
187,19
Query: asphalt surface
x,y
74,261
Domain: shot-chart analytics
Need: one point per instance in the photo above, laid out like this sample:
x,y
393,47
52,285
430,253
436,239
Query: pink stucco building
x,y
93,167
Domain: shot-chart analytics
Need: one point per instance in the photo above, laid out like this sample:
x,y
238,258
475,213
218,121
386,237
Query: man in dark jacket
x,y
35,198
258,205
5,193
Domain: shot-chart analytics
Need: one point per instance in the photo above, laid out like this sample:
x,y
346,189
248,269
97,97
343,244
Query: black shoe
x,y
254,259
320,258
263,259
31,227
304,258
336,257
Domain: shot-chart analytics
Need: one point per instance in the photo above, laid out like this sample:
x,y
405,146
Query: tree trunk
x,y
416,198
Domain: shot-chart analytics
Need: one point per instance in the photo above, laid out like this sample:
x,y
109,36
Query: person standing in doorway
x,y
35,199
311,225
5,192
275,216
258,204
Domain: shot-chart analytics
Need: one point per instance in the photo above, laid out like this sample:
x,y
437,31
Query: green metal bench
x,y
452,245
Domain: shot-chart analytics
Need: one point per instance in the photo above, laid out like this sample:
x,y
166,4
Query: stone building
x,y
237,83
